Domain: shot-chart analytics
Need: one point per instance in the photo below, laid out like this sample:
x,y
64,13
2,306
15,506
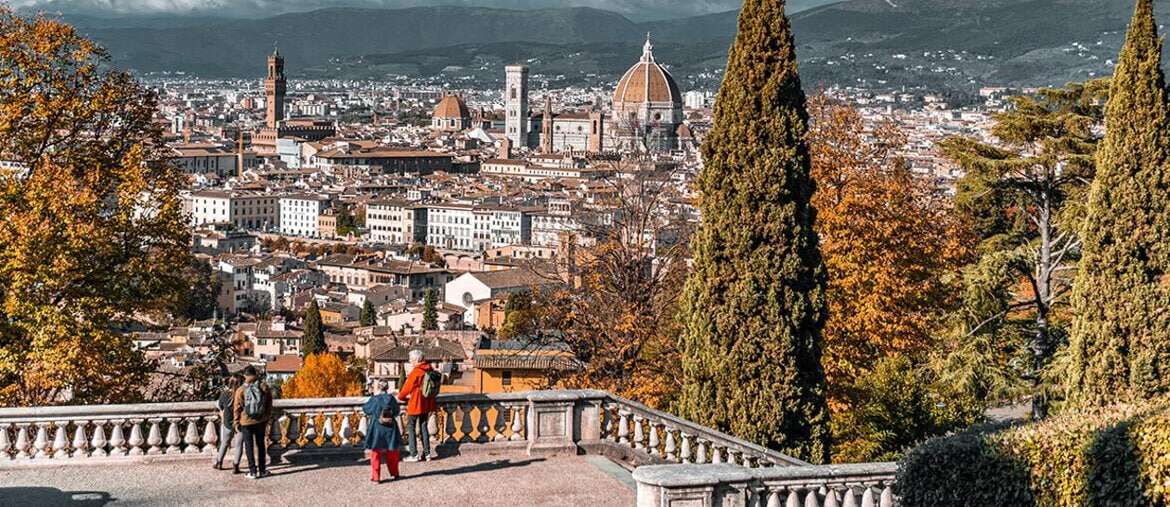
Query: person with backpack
x,y
253,409
419,392
228,437
383,438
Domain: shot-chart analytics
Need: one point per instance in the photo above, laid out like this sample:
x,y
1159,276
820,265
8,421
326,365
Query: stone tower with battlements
x,y
274,89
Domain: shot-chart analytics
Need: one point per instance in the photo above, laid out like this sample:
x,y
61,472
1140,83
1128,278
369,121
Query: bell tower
x,y
274,89
516,104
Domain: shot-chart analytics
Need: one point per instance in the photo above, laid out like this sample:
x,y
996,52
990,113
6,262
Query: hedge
x,y
1117,456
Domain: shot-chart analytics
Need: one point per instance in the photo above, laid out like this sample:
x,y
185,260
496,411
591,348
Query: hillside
x,y
942,43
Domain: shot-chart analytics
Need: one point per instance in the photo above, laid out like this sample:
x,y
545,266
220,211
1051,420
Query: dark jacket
x,y
242,419
416,403
227,412
379,436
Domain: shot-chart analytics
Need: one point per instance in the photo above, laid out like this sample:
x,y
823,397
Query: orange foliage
x,y
323,376
889,240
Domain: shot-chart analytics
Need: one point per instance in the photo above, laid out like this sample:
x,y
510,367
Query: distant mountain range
x,y
948,43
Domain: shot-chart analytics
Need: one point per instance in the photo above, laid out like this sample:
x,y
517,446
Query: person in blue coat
x,y
382,435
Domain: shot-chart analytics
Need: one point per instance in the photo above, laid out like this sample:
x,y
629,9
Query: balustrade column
x,y
517,424
98,442
80,443
173,438
669,449
5,443
624,428
22,443
59,442
191,438
653,444
211,435
42,441
638,435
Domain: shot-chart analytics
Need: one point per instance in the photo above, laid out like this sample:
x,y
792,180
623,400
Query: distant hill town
x,y
874,43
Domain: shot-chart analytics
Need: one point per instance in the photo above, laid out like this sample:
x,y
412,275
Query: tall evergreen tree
x,y
430,311
369,317
1120,342
754,304
313,342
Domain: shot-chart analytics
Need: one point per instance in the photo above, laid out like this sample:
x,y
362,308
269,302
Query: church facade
x,y
647,114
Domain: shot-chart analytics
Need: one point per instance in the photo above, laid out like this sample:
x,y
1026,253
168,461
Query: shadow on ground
x,y
293,465
52,497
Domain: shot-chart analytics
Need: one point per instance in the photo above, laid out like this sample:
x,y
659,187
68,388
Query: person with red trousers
x,y
383,439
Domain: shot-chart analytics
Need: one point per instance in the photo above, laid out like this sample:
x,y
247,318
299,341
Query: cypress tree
x,y
430,310
368,317
313,341
754,306
1120,342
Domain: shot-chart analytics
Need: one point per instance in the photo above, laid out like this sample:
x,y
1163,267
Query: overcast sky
x,y
635,9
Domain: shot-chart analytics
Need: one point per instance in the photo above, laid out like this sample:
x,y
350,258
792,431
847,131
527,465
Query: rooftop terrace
x,y
534,448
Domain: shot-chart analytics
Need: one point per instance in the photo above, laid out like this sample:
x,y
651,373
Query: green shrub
x,y
1117,456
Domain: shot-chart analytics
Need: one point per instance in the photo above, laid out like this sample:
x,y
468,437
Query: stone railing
x,y
860,485
658,438
541,422
105,432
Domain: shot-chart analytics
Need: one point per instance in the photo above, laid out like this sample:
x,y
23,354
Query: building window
x,y
506,378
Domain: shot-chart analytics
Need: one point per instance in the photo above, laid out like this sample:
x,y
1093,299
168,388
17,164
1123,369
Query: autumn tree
x,y
519,320
754,303
892,247
91,226
313,340
322,376
430,319
1120,343
612,300
890,242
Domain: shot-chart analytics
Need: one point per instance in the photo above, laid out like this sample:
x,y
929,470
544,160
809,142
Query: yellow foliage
x,y
322,376
91,230
889,240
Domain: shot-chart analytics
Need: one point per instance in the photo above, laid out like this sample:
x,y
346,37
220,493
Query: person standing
x,y
228,437
383,438
419,392
253,409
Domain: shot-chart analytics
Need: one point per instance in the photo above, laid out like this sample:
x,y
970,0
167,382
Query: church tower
x,y
546,127
274,88
516,104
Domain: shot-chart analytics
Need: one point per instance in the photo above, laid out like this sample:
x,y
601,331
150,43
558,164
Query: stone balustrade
x,y
657,437
858,485
542,422
59,434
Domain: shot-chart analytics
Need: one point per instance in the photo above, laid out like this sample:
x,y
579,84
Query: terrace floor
x,y
505,478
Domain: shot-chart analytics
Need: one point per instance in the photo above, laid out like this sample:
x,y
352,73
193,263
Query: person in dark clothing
x,y
383,438
228,437
253,409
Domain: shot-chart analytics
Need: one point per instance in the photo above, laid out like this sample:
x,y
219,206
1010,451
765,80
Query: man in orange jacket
x,y
418,407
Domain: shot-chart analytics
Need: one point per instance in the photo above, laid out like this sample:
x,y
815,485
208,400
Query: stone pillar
x,y
552,422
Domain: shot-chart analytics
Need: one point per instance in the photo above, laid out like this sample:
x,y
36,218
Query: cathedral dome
x,y
451,107
646,81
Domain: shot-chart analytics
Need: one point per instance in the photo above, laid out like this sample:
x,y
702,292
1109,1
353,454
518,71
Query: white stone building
x,y
299,212
242,210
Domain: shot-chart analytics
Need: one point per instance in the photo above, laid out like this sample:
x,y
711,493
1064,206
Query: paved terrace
x,y
534,448
486,478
